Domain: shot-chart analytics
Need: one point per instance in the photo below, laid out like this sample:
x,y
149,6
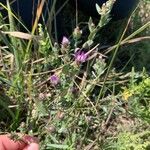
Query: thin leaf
x,y
57,146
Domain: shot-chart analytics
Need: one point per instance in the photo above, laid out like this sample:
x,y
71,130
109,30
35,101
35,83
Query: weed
x,y
70,94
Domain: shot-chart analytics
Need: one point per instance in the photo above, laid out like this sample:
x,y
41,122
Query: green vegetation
x,y
73,96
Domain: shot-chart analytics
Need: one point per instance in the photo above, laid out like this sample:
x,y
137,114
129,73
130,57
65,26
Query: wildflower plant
x,y
63,93
138,96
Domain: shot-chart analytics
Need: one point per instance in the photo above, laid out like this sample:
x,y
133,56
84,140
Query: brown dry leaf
x,y
20,35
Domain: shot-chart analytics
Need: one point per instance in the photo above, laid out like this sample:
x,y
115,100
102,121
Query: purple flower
x,y
65,42
54,79
80,56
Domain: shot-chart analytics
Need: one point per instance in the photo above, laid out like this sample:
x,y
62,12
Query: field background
x,y
97,99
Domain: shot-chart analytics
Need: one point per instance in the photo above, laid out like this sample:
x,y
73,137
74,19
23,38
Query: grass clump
x,y
70,94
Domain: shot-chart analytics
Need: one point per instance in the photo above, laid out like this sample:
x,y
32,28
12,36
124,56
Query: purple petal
x,y
54,79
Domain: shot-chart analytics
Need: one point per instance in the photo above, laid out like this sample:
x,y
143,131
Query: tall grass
x,y
69,94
